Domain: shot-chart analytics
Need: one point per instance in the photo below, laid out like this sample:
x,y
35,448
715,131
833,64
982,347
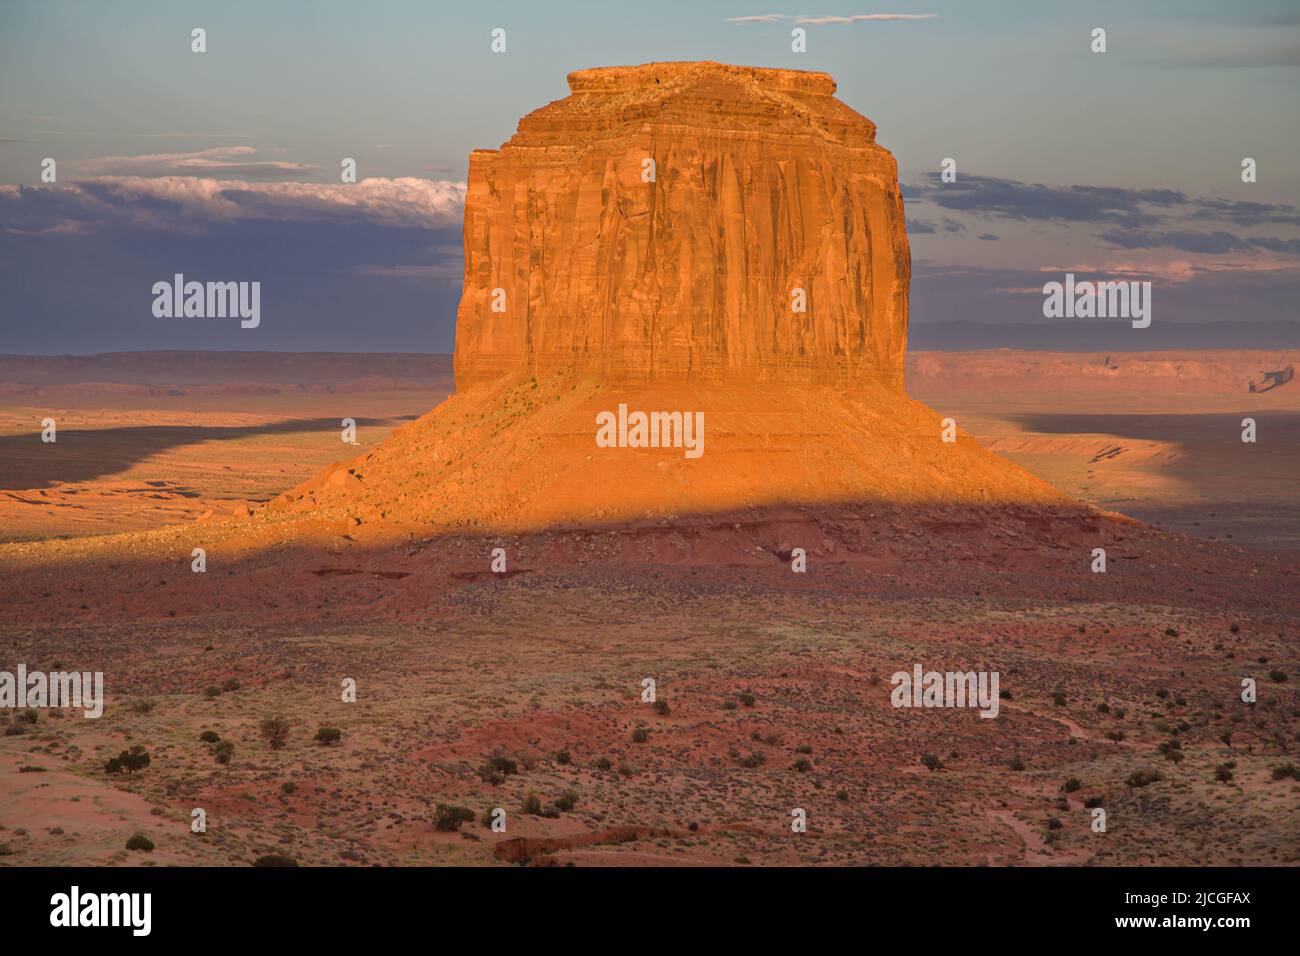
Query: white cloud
x,y
187,203
217,161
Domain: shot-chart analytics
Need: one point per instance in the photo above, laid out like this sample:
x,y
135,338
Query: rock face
x,y
764,191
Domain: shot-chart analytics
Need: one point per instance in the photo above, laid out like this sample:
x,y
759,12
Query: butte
x,y
674,237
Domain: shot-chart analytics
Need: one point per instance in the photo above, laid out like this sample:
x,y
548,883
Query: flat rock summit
x,y
714,244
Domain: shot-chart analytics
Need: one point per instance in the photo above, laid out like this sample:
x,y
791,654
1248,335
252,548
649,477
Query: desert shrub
x,y
728,705
1092,802
15,729
602,763
803,749
288,787
1004,694
224,751
802,765
841,794
1277,675
141,706
229,685
1143,778
1286,770
1103,708
329,735
213,691
448,818
275,731
275,860
532,805
209,736
140,842
30,768
1053,823
29,716
746,698
1016,763
662,708
1071,785
753,761
128,761
640,735
567,801
1162,693
564,757
1115,735
931,762
1223,773
1058,698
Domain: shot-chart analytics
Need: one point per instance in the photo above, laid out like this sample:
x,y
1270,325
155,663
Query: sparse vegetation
x,y
128,761
448,818
140,842
328,735
1143,778
931,762
275,731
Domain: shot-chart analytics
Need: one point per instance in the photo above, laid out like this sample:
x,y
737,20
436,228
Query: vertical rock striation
x,y
763,184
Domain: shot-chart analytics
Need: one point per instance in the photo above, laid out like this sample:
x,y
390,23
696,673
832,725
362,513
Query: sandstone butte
x,y
590,283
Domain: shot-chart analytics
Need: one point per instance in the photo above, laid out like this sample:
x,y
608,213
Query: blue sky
x,y
285,90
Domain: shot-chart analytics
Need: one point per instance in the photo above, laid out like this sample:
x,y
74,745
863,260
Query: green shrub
x,y
275,731
1143,778
640,735
275,860
448,818
140,842
931,762
1071,785
128,761
532,805
328,735
209,736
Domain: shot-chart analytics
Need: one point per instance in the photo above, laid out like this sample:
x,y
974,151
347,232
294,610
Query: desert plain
x,y
522,689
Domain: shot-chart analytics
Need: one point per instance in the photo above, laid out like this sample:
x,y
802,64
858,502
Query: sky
x,y
226,164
